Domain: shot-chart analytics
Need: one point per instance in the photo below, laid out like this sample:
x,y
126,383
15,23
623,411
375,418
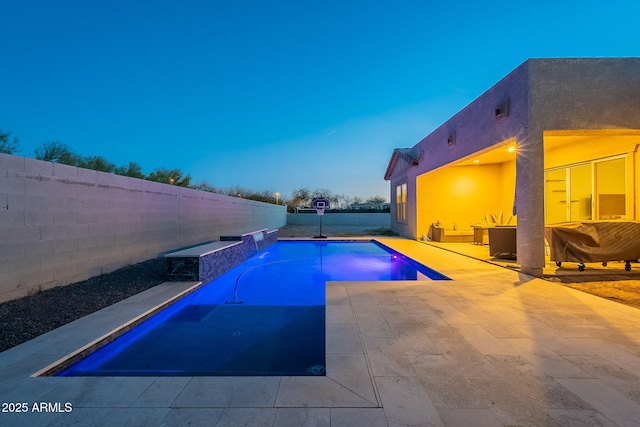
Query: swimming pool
x,y
264,317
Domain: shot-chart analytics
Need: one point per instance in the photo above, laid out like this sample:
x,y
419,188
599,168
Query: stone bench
x,y
205,262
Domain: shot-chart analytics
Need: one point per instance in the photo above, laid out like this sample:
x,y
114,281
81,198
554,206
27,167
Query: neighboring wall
x,y
61,224
373,220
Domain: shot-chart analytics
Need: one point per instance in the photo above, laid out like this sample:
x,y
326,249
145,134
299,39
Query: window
x,y
401,202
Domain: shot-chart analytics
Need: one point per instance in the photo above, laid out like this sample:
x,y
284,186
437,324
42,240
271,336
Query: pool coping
x,y
110,336
197,251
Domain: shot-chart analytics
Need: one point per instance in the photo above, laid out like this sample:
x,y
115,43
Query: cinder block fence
x,y
373,220
61,224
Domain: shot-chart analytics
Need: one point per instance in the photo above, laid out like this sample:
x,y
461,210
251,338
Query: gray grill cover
x,y
594,241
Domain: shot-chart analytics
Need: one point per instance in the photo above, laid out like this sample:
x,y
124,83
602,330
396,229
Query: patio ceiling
x,y
557,138
499,153
505,150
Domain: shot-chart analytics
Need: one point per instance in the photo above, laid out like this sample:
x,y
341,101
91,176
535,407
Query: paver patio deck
x,y
491,347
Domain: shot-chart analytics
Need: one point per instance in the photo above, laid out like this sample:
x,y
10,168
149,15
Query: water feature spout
x,y
257,237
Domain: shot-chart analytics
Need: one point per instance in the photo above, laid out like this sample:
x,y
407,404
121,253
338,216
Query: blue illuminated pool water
x,y
263,317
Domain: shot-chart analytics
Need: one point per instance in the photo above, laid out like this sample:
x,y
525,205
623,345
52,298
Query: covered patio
x,y
556,140
589,176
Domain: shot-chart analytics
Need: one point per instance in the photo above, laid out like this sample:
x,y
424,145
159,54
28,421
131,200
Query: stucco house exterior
x,y
555,140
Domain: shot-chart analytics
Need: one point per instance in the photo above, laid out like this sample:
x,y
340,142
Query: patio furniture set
x,y
577,242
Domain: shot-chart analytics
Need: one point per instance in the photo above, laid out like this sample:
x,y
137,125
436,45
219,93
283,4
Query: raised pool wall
x,y
61,224
207,266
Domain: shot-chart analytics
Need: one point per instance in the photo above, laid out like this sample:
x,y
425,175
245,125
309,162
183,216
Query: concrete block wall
x,y
373,220
61,224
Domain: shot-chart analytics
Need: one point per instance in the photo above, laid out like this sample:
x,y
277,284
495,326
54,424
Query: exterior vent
x,y
451,139
502,110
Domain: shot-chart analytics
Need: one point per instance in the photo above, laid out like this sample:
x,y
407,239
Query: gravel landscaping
x,y
26,318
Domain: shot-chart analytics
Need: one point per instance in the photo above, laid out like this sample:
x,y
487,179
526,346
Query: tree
x,y
334,199
300,197
205,186
97,163
322,192
236,191
57,152
376,199
170,176
133,170
303,197
6,145
266,196
345,201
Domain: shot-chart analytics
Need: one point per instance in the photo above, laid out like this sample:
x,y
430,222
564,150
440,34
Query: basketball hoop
x,y
320,204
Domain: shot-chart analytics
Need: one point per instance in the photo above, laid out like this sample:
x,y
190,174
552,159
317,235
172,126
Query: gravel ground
x,y
26,318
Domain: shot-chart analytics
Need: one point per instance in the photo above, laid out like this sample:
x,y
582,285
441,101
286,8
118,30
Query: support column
x,y
530,201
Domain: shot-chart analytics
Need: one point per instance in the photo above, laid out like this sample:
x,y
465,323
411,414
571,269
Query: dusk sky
x,y
274,95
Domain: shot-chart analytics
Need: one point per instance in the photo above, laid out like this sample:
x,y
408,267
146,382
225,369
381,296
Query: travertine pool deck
x,y
492,347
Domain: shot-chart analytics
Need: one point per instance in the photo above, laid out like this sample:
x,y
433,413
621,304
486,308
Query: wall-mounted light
x,y
511,149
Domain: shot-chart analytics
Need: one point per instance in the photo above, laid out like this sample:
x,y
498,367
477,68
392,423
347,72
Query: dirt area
x,y
625,291
616,288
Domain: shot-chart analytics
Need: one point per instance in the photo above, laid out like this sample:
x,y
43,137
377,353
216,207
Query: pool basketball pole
x,y
320,204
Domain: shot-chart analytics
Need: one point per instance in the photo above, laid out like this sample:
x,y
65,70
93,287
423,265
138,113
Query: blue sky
x,y
274,95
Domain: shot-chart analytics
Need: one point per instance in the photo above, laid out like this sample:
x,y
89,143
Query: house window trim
x,y
401,203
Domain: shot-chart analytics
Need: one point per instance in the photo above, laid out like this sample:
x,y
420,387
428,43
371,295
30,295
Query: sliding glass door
x,y
610,189
579,193
555,198
593,190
